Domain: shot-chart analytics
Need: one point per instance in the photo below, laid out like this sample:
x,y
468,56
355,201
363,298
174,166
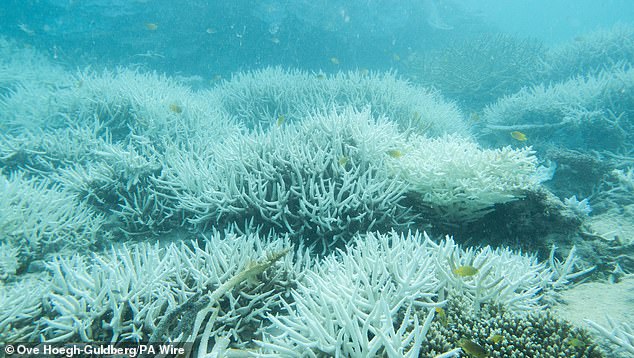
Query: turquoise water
x,y
385,178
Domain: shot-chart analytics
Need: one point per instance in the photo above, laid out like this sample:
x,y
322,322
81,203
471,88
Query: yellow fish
x,y
465,271
151,26
519,136
442,315
394,153
321,76
334,60
496,338
280,120
472,348
176,108
576,343
343,161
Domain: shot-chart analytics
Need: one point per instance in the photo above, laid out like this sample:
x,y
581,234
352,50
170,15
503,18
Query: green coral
x,y
535,334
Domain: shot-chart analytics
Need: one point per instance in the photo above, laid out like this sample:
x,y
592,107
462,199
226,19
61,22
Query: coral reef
x,y
317,186
617,333
125,295
459,182
38,220
358,303
260,98
295,188
584,113
479,70
501,333
357,174
590,53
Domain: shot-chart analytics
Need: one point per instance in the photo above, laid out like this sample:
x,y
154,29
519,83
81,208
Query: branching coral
x,y
39,219
590,53
584,113
342,305
259,98
479,70
21,308
320,179
617,333
458,182
124,295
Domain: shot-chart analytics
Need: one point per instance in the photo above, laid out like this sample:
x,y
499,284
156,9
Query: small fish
x,y
364,72
496,338
176,108
343,161
394,153
334,60
321,76
396,57
519,136
465,271
217,78
211,30
475,117
280,120
442,315
151,26
576,343
275,40
472,348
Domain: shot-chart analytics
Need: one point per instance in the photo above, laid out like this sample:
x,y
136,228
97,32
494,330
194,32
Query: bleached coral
x,y
580,207
21,308
619,334
591,53
458,181
128,103
319,179
123,295
260,97
40,218
342,305
22,65
360,304
478,70
9,263
583,113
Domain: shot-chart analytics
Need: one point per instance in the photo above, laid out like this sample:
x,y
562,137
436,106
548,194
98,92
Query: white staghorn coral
x,y
21,308
590,53
458,181
123,295
342,305
591,112
377,297
260,97
360,304
39,219
9,262
321,178
128,103
334,174
619,334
